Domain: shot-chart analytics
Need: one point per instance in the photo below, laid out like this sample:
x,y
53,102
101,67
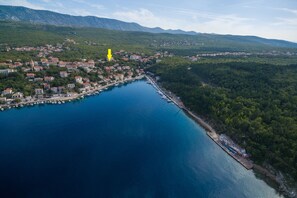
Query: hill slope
x,y
22,14
16,13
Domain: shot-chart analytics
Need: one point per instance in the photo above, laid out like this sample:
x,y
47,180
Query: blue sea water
x,y
125,142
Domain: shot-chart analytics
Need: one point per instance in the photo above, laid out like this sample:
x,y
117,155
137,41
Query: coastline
x,y
214,136
175,100
62,100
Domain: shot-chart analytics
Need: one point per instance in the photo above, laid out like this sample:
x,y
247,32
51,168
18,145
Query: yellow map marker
x,y
109,55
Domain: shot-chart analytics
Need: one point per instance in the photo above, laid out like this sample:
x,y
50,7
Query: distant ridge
x,y
23,14
18,13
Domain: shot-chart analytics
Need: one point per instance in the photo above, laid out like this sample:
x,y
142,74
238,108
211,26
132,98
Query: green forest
x,y
254,103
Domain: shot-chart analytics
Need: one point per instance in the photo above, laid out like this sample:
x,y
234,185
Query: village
x,y
51,80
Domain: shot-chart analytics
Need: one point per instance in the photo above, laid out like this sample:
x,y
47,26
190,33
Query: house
x,y
72,67
28,98
135,57
38,79
126,67
107,69
18,95
30,75
71,86
87,69
86,80
38,91
17,64
53,61
7,91
46,86
119,77
26,69
130,74
63,74
91,63
2,100
62,64
49,78
87,85
44,62
37,68
69,94
6,71
61,89
79,79
54,89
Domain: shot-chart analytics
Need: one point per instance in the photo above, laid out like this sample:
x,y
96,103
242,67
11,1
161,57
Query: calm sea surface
x,y
125,142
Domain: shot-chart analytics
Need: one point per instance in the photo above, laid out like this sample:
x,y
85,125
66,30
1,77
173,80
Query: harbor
x,y
170,97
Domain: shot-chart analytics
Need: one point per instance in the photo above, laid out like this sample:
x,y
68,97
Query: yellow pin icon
x,y
109,55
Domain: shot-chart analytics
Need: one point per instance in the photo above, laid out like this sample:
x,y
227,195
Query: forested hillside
x,y
256,104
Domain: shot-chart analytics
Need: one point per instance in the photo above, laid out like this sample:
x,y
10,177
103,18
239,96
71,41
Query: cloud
x,y
292,11
287,22
146,18
209,22
141,15
92,5
24,3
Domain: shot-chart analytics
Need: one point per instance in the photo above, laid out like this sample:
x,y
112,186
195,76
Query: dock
x,y
245,162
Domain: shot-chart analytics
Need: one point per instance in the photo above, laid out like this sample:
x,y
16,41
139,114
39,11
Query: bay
x,y
125,142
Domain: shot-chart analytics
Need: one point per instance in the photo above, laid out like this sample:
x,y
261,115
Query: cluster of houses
x,y
43,51
77,75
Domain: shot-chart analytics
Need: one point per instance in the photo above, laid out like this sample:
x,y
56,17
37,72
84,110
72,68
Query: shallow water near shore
x,y
125,142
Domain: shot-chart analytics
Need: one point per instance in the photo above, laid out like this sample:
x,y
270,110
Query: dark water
x,y
126,142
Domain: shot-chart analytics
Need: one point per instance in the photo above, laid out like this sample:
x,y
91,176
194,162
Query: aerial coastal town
x,y
47,79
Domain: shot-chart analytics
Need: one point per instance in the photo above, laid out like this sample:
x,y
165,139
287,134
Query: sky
x,y
266,18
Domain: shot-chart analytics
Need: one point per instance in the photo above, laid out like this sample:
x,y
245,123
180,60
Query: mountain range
x,y
17,13
23,14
